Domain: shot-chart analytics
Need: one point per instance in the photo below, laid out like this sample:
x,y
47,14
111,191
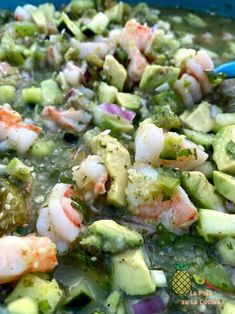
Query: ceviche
x,y
117,160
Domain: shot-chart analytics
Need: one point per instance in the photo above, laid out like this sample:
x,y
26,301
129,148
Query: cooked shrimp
x,y
204,60
135,35
54,55
45,228
176,213
149,143
65,219
188,88
15,131
73,74
195,69
196,156
75,120
23,13
136,66
91,177
100,49
20,255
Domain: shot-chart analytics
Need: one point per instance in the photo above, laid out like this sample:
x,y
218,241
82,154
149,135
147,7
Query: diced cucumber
x,y
198,137
79,295
212,223
226,249
22,306
98,24
207,169
51,93
41,149
224,119
40,20
19,170
115,14
7,94
32,95
73,28
25,29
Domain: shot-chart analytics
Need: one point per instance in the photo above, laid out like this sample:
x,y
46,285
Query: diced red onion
x,y
150,305
118,111
87,75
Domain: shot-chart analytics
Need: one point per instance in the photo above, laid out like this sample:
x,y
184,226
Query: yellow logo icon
x,y
181,281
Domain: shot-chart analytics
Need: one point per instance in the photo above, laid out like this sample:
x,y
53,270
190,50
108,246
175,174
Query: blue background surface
x,y
225,7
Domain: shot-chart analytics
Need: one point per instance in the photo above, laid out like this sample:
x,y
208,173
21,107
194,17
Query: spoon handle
x,y
226,68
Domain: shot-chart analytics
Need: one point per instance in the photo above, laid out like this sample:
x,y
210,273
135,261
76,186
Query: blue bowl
x,y
224,7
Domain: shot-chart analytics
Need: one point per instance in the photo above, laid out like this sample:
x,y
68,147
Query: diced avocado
x,y
7,94
79,295
114,72
77,7
41,149
201,191
226,249
117,161
198,138
25,29
98,24
46,294
51,93
40,20
23,305
111,237
128,101
195,21
156,75
107,121
131,274
224,119
73,28
227,308
165,118
169,98
212,223
114,303
32,95
224,154
115,14
106,93
200,119
225,185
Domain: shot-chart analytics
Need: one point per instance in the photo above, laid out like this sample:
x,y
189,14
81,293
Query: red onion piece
x,y
118,111
150,305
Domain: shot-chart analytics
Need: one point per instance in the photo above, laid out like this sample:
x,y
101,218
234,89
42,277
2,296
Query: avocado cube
x,y
51,93
223,145
111,237
227,308
200,119
128,101
225,184
213,223
131,274
226,249
224,119
117,161
22,306
40,20
156,75
46,294
106,93
201,191
114,72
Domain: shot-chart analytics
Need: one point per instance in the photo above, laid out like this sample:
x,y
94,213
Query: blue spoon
x,y
227,68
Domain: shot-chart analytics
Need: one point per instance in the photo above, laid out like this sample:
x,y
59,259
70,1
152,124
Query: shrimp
x,y
91,177
75,120
149,143
73,74
60,221
188,88
100,49
176,213
137,65
135,39
135,35
20,255
23,13
15,131
195,69
195,158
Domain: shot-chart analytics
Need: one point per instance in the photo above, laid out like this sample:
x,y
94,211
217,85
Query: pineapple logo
x,y
181,281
